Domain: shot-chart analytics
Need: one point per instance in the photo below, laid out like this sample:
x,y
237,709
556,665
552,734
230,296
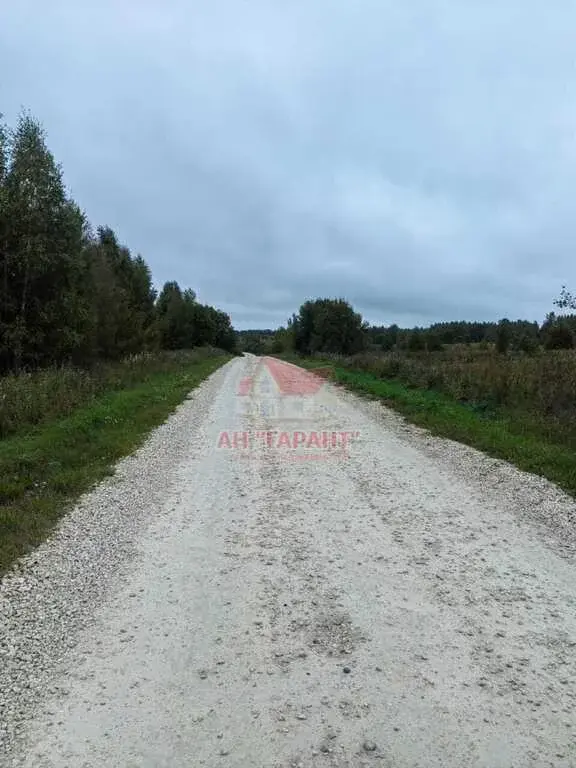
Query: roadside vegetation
x,y
45,468
44,396
92,355
507,388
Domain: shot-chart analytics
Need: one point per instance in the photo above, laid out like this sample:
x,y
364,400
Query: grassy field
x,y
535,432
539,390
50,458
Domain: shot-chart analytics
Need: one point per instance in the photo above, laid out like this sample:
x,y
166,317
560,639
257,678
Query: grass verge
x,y
44,471
501,434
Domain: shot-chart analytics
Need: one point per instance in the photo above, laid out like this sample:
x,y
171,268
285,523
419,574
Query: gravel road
x,y
287,575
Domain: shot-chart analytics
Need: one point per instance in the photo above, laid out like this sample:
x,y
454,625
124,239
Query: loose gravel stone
x,y
51,595
172,550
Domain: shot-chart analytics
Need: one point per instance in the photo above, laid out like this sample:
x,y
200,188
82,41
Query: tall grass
x,y
539,390
30,399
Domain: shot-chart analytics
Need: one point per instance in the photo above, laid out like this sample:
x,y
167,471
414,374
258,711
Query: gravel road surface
x,y
287,575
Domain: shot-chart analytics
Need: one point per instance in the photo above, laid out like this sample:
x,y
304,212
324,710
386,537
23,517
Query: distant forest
x,y
333,326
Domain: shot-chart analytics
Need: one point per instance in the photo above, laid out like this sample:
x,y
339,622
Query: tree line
x,y
332,326
73,294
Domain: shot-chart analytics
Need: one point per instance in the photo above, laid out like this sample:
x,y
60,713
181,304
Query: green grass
x,y
40,397
45,469
511,436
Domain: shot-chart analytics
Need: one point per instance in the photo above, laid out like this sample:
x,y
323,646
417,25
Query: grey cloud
x,y
417,159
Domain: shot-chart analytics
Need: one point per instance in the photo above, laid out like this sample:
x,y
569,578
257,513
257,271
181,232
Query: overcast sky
x,y
418,159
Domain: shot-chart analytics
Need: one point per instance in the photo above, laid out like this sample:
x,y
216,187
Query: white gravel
x,y
412,604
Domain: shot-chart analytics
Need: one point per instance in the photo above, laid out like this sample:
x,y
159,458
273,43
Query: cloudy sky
x,y
418,158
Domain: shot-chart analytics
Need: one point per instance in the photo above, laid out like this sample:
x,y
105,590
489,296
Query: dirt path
x,y
404,602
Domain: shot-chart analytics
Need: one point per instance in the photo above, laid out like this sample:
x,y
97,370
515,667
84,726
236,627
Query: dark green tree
x,y
503,336
559,336
328,325
171,316
43,313
416,340
184,323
